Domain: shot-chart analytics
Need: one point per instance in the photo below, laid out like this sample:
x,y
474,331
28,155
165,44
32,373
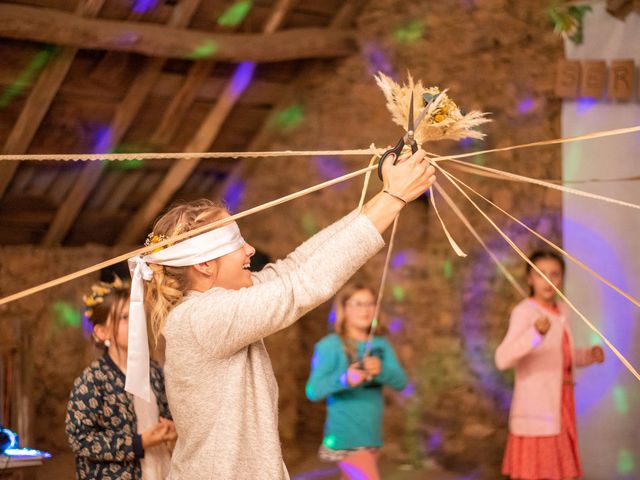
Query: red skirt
x,y
552,457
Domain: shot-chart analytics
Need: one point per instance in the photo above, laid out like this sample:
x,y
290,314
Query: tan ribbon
x,y
616,352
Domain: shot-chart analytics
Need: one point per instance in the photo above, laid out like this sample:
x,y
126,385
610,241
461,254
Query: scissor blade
x,y
423,114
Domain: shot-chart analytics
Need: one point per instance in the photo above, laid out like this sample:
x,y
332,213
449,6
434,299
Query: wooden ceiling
x,y
137,76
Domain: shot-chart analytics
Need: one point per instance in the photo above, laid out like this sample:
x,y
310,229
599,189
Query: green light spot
x,y
620,400
309,224
27,76
66,315
626,465
399,293
409,32
288,118
595,339
130,164
329,441
204,50
479,160
447,269
235,14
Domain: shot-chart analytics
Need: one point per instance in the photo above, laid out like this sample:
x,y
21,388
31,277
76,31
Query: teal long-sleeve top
x,y
354,414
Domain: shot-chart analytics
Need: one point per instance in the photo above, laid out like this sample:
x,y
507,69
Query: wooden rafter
x,y
37,24
125,114
40,99
201,141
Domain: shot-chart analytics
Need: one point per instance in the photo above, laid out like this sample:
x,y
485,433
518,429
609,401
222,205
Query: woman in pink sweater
x,y
542,441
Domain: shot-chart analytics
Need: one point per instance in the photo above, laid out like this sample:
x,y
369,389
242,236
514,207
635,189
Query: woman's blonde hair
x,y
169,284
340,307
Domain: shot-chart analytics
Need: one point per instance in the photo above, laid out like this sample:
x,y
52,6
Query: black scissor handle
x,y
395,151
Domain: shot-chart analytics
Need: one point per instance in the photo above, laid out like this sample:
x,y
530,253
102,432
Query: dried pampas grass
x,y
443,121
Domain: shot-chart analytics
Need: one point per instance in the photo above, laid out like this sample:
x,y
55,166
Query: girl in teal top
x,y
352,385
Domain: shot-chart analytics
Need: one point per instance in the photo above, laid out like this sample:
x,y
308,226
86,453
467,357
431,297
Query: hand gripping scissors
x,y
393,154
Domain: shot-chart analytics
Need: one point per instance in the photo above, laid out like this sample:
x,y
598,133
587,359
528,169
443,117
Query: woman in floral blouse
x,y
113,434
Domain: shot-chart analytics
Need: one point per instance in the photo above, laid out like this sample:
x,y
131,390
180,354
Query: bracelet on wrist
x,y
395,196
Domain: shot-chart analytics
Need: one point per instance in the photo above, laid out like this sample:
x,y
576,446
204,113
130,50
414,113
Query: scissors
x,y
407,139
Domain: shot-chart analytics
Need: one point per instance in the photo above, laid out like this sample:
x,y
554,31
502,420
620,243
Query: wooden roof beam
x,y
40,99
201,140
43,25
125,114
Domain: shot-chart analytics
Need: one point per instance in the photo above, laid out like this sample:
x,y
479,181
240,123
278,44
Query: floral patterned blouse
x,y
101,422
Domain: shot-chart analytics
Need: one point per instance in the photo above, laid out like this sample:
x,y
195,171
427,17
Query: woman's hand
x,y
155,435
542,324
597,354
163,431
172,434
403,182
410,177
355,375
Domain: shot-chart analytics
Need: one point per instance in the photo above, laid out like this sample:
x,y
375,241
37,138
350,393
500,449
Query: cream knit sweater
x,y
220,383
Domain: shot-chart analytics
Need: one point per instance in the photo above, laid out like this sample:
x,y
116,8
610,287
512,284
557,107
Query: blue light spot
x,y
435,440
103,143
584,104
377,59
242,77
526,105
399,259
409,390
142,6
233,195
395,325
332,317
329,167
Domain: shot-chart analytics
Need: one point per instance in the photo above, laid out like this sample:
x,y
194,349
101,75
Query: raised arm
x,y
300,254
522,337
224,321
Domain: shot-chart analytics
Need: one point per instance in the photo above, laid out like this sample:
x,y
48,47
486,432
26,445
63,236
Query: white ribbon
x,y
194,250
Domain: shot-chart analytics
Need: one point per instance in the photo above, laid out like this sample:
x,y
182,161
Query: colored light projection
x,y
143,6
377,60
287,119
409,32
206,49
235,13
27,76
330,167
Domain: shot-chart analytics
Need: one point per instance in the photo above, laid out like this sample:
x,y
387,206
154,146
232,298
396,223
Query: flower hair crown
x,y
155,238
98,291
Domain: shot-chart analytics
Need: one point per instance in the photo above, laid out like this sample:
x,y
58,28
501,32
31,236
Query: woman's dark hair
x,y
543,255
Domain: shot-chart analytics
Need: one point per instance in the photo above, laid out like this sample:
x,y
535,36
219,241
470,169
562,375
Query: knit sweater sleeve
x,y
300,254
522,337
225,321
